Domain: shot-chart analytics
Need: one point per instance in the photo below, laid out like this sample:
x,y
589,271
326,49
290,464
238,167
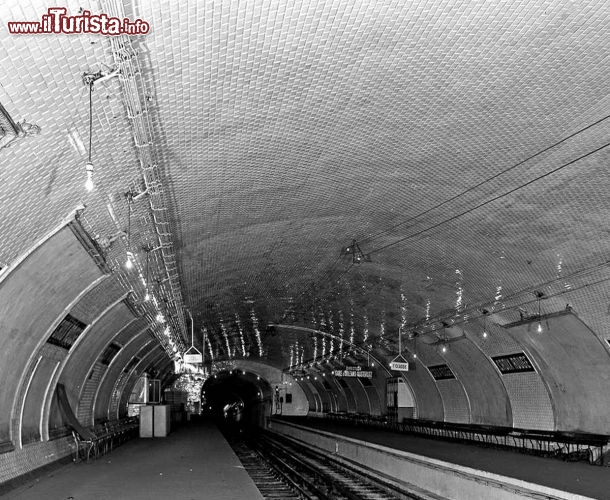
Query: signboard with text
x,y
353,371
193,358
401,366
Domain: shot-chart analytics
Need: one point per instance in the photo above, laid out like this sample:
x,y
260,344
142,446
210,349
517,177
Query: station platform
x,y
193,462
578,478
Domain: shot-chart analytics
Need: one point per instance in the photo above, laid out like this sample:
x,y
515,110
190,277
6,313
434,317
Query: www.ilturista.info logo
x,y
57,21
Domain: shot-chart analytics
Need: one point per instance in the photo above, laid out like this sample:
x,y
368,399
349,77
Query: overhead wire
x,y
491,200
488,202
472,188
485,181
529,290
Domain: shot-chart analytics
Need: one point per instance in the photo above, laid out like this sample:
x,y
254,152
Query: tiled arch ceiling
x,y
292,127
288,129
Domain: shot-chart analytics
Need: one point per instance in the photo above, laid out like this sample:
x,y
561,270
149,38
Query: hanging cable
x,y
89,167
129,262
147,296
485,181
376,250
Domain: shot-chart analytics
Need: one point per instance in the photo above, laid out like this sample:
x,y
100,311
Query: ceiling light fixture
x,y
539,295
147,295
357,255
414,337
129,261
484,334
444,344
89,166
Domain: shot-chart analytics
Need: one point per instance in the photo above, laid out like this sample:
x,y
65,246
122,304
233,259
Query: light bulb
x,y
147,296
414,356
539,329
444,348
160,318
129,262
89,181
484,334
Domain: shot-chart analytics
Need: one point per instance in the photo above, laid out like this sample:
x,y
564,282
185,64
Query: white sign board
x,y
193,358
353,371
399,366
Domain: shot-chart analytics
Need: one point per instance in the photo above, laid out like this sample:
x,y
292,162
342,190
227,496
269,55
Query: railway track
x,y
270,481
282,469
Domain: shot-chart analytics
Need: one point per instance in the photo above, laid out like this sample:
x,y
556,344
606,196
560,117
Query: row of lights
x,y
485,334
89,186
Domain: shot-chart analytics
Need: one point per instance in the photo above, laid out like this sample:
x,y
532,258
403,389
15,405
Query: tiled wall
x,y
96,300
85,405
32,456
116,395
531,405
456,404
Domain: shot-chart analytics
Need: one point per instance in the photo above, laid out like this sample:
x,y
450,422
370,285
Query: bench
x,y
567,445
101,438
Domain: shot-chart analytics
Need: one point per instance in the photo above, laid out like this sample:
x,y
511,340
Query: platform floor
x,y
194,462
574,477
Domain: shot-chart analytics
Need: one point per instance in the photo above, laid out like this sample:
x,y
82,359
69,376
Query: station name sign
x,y
353,371
193,358
401,366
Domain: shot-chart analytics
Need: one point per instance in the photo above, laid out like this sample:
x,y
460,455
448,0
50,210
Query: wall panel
x,y
532,408
455,401
83,355
111,376
489,402
32,297
575,368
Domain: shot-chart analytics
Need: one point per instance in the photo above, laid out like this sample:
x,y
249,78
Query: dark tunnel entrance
x,y
239,401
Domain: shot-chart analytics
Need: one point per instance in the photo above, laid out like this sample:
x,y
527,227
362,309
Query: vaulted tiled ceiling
x,y
285,130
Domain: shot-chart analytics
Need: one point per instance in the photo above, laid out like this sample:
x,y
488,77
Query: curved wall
x,y
102,399
489,401
575,366
32,296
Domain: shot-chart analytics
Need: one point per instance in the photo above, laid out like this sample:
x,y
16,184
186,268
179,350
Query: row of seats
x,y
91,442
566,445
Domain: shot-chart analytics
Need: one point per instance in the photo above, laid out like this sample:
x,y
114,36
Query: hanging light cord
x,y
147,266
129,223
90,117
